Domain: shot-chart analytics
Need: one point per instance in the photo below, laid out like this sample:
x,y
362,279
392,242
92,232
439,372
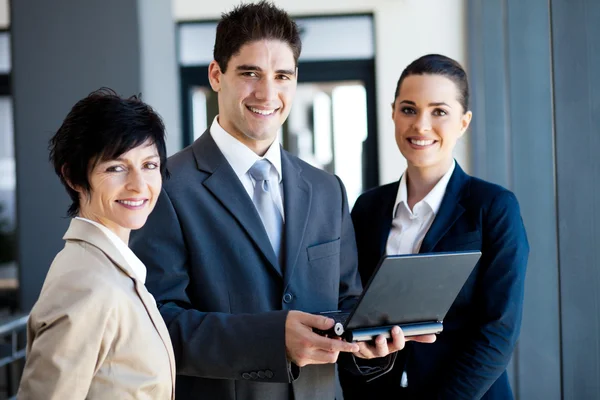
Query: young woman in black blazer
x,y
437,207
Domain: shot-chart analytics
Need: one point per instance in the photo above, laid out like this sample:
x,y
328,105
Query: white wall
x,y
159,68
404,30
4,14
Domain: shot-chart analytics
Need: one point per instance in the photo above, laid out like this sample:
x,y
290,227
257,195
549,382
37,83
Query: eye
x,y
151,165
115,168
283,77
250,74
408,111
438,112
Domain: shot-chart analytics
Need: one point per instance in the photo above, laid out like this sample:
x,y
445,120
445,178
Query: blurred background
x,y
535,97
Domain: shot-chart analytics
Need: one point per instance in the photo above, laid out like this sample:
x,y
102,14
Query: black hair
x,y
102,127
252,22
436,64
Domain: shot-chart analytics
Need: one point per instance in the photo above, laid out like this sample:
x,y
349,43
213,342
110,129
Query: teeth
x,y
131,203
261,112
421,142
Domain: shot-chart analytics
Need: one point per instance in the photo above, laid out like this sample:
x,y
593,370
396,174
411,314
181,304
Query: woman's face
x,y
428,120
124,191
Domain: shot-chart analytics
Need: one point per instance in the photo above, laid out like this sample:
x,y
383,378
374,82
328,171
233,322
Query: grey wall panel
x,y
532,176
62,50
576,62
509,51
488,78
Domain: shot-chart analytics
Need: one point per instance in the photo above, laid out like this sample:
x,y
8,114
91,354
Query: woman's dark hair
x,y
436,64
102,127
252,22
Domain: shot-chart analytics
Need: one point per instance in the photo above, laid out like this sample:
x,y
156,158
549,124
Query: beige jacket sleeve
x,y
70,332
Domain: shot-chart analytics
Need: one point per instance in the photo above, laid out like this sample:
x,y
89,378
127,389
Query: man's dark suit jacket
x,y
218,283
469,358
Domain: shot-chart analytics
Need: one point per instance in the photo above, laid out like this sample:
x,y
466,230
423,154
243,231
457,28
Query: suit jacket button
x,y
246,375
268,374
254,375
287,298
261,374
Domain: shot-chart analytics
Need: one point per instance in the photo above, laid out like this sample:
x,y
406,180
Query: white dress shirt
x,y
241,159
134,262
409,227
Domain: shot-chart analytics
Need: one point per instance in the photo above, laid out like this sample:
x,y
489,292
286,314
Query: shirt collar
x,y
240,157
434,197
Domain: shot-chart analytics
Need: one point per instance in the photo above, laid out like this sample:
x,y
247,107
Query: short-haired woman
x,y
95,331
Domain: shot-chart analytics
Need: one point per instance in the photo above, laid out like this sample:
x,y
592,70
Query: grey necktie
x,y
263,201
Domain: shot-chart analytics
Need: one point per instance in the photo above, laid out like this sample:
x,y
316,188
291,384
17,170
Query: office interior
x,y
535,98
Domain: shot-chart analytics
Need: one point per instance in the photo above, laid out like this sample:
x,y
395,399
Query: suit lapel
x,y
386,216
297,198
224,184
86,232
159,325
450,210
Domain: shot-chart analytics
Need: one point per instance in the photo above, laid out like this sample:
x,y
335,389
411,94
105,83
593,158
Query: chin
x,y
135,224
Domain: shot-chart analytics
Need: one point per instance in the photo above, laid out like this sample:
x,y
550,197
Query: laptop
x,y
413,291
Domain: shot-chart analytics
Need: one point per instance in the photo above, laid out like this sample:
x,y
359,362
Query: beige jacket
x,y
95,331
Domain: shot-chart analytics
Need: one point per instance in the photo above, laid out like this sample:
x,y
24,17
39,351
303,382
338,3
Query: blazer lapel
x,y
297,196
224,184
152,310
86,232
450,210
386,216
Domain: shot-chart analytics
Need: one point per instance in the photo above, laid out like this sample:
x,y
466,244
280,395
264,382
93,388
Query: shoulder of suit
x,y
79,285
184,158
485,192
379,192
316,176
80,264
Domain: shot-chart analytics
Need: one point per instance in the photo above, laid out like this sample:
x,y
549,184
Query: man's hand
x,y
382,347
305,347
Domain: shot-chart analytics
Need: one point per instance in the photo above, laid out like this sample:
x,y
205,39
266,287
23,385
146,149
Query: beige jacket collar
x,y
86,232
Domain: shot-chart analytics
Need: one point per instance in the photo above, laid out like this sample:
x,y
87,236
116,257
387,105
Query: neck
x,y
421,180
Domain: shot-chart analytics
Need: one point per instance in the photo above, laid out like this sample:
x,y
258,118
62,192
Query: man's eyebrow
x,y
286,71
247,67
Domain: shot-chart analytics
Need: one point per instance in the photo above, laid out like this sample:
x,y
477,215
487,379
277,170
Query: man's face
x,y
256,92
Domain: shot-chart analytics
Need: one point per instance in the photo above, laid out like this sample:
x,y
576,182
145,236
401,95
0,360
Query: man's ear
x,y
465,121
215,75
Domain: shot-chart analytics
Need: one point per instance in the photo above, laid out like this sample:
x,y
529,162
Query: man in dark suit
x,y
247,241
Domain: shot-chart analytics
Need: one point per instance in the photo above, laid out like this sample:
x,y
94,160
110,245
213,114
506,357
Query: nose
x,y
422,123
135,181
266,90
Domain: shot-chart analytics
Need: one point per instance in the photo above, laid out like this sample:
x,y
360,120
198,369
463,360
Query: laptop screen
x,y
412,288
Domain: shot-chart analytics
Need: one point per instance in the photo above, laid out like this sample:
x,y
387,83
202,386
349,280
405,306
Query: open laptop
x,y
413,291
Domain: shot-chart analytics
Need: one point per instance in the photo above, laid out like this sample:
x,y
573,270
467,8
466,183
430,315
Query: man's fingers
x,y
334,345
422,338
316,321
398,339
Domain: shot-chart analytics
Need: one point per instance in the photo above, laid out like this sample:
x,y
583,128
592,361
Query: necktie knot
x,y
260,170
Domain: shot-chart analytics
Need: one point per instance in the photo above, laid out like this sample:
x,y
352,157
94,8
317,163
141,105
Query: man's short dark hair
x,y
252,22
102,127
436,64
